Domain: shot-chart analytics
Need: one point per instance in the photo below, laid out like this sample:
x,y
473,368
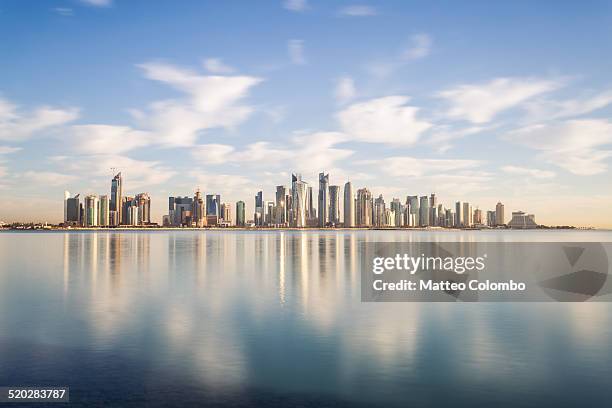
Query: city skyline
x,y
403,98
291,208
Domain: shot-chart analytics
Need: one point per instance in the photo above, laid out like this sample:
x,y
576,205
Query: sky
x,y
475,101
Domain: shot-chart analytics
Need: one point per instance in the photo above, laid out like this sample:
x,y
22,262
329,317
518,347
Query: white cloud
x,y
296,52
575,145
106,139
98,3
383,120
358,10
9,149
212,153
64,11
345,89
47,178
210,102
529,172
479,103
442,136
295,5
407,166
217,66
545,110
420,47
18,126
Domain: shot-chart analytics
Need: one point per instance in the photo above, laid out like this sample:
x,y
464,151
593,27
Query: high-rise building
x,y
380,212
143,209
281,206
349,206
491,218
311,212
363,208
259,209
334,205
467,215
499,214
92,208
226,213
66,197
198,210
398,212
104,215
240,214
323,207
520,220
412,205
477,217
424,212
459,216
213,204
115,205
299,189
73,211
180,211
433,210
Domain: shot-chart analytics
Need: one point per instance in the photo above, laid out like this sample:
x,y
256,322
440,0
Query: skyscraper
x,y
499,214
115,206
104,213
73,211
143,205
323,207
240,214
396,207
66,197
91,211
226,214
213,205
363,208
467,215
380,212
459,217
413,211
259,209
299,189
334,205
198,210
424,212
433,210
349,205
281,205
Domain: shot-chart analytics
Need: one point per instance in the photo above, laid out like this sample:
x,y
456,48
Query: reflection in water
x,y
280,312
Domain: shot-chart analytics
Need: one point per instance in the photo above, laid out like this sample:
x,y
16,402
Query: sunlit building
x,y
334,205
299,188
349,205
363,208
323,206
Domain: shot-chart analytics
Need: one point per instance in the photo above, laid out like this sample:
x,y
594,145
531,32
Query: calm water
x,y
274,319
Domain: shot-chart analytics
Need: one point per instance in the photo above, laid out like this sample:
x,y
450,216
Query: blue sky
x,y
476,101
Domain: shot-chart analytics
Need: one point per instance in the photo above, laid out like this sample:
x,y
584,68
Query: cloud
x,y
480,103
357,10
296,5
524,171
574,145
546,109
216,66
420,47
9,149
141,174
345,89
105,139
18,126
407,166
64,11
210,102
47,178
296,52
306,153
442,135
98,3
383,120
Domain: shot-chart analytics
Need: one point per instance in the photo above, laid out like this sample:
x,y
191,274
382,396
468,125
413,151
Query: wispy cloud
x,y
47,178
102,139
64,11
296,5
17,125
9,149
480,103
98,3
216,66
420,47
296,52
209,102
528,172
383,120
578,146
357,10
549,109
345,89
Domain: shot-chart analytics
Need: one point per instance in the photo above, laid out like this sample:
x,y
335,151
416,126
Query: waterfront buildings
x,y
334,205
240,214
499,214
349,205
323,208
299,203
116,200
363,208
520,220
